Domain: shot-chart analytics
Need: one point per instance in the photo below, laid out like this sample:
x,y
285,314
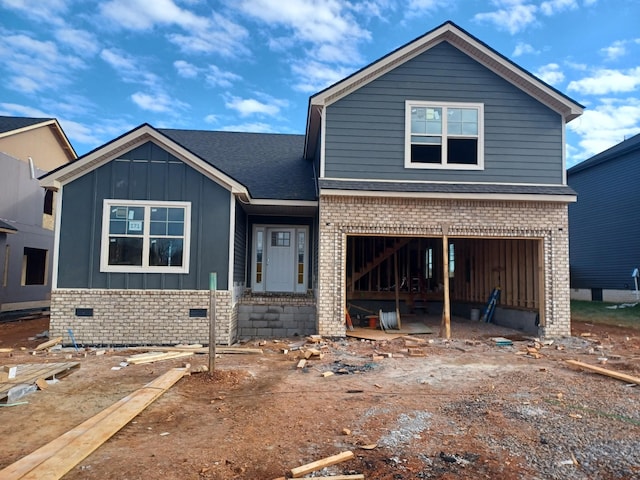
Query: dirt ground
x,y
458,409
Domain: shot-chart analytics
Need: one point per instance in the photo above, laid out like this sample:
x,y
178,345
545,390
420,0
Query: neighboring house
x,y
430,176
29,148
605,231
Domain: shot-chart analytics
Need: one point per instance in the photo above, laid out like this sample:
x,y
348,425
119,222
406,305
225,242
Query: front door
x,y
280,256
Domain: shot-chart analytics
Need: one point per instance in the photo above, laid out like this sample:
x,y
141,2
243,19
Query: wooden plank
x,y
156,357
355,476
238,350
541,285
319,464
48,344
53,460
604,371
29,373
530,273
446,310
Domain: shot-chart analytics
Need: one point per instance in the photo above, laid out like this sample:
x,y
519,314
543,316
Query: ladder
x,y
490,308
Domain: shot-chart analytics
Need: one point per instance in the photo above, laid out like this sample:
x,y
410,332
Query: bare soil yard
x,y
467,409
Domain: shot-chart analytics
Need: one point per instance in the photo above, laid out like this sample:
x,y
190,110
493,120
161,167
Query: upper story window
x,y
140,236
444,135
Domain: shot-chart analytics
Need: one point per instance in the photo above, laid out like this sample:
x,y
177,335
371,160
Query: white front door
x,y
280,260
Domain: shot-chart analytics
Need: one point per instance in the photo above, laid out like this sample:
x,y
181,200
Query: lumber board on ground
x,y
355,476
155,357
604,371
319,464
59,456
238,350
48,344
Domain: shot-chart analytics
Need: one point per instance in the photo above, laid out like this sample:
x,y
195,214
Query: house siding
x,y
240,246
144,173
604,227
365,130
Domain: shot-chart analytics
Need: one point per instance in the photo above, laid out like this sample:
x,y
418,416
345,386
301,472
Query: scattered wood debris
x,y
319,464
301,363
604,371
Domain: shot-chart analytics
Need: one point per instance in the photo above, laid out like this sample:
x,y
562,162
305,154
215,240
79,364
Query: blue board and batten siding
x,y
145,173
604,226
240,245
365,131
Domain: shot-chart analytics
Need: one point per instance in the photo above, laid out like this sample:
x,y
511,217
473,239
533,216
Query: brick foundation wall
x,y
140,317
547,221
276,316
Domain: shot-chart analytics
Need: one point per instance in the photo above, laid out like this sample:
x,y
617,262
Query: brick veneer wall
x,y
140,317
341,216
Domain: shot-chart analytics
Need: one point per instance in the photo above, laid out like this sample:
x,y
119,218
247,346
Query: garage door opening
x,y
416,278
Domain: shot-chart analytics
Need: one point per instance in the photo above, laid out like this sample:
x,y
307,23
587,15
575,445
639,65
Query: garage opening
x,y
407,274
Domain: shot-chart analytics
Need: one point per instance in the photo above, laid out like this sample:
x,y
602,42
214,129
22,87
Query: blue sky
x,y
104,67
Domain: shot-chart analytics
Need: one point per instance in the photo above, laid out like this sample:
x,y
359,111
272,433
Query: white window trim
x,y
442,166
104,247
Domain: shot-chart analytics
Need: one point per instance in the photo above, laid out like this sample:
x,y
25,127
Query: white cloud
x,y
551,74
211,118
82,42
523,48
605,81
186,69
144,15
220,35
420,7
35,65
49,11
605,125
14,109
617,49
552,7
250,106
220,78
129,68
512,16
158,102
312,76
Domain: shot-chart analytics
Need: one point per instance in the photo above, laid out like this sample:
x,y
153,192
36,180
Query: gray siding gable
x,y
147,172
365,130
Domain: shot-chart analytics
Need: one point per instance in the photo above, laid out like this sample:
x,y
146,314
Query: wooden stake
x,y
213,286
446,310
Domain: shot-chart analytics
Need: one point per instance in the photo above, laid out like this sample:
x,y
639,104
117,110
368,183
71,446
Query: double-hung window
x,y
444,135
141,236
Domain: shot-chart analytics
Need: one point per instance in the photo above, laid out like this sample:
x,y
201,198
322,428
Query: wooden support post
x,y
213,286
446,310
395,266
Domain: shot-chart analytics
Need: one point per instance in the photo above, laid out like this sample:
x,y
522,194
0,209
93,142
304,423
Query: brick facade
x,y
341,216
140,317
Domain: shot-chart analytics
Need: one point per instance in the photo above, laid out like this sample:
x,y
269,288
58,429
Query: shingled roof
x,y
270,166
8,124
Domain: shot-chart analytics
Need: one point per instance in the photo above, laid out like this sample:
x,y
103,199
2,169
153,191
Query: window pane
x,y
165,252
125,251
418,120
175,229
175,214
280,239
159,214
462,151
117,226
426,153
135,213
427,140
135,227
158,228
469,115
